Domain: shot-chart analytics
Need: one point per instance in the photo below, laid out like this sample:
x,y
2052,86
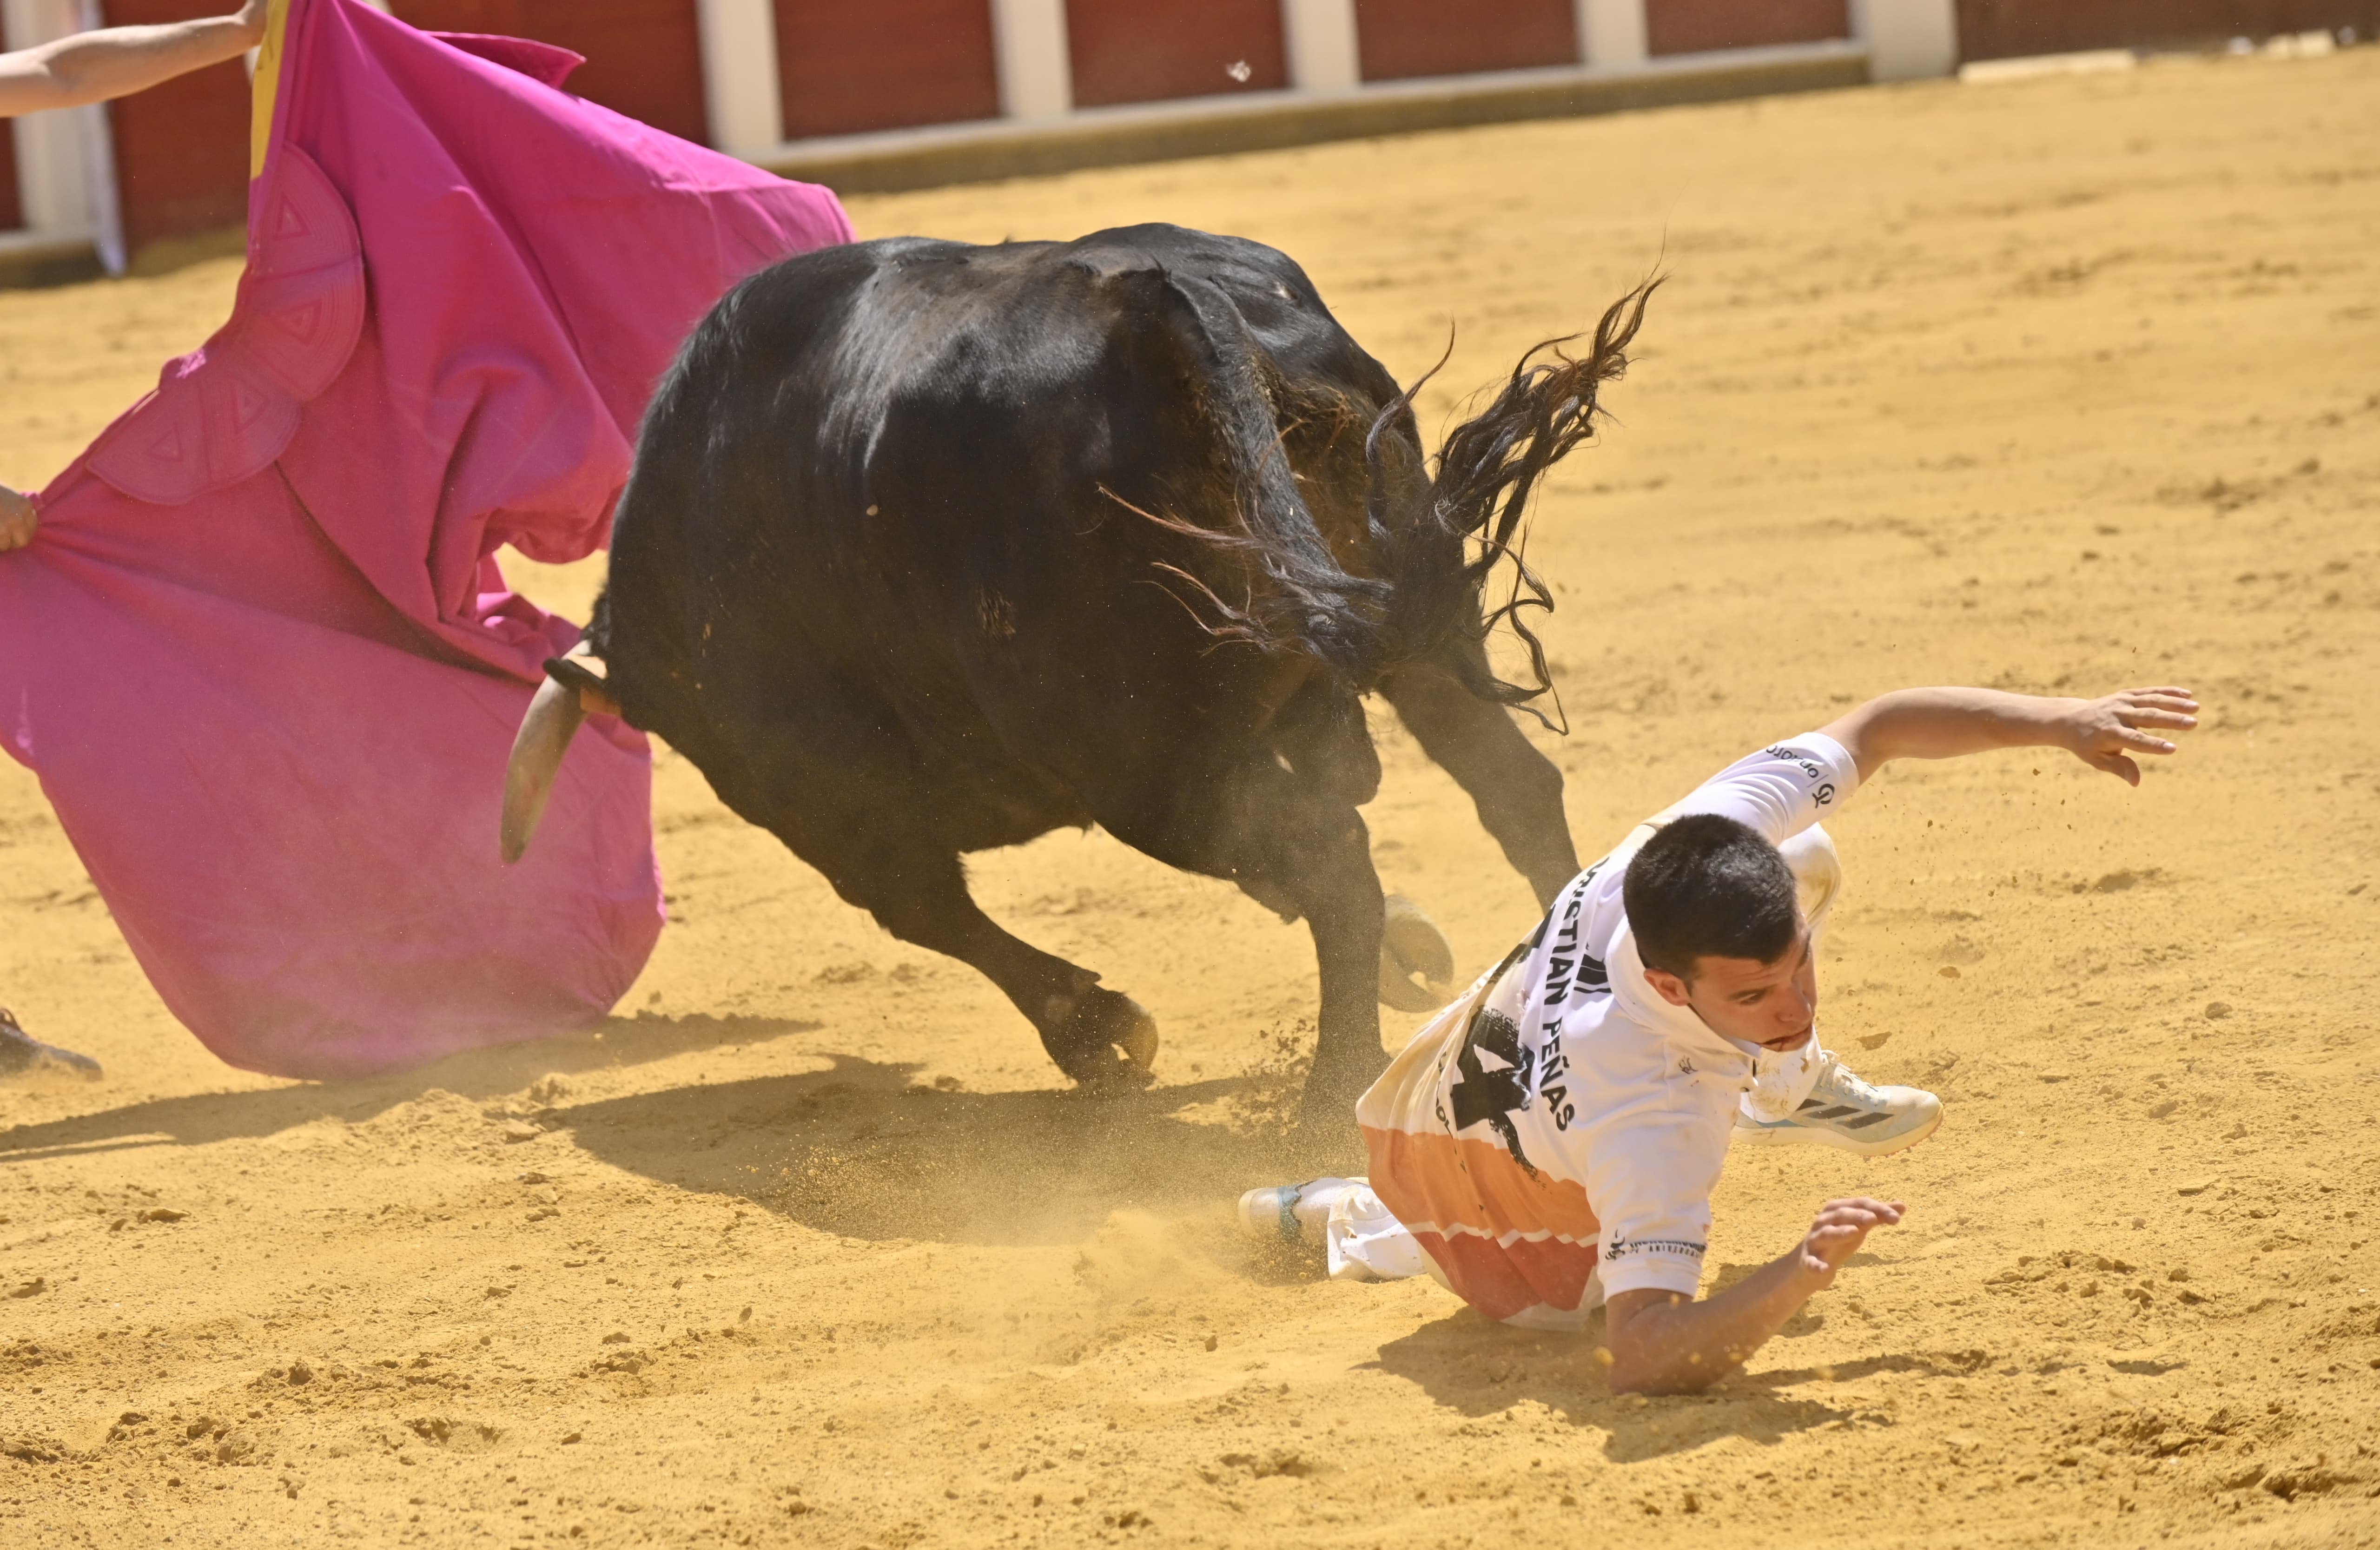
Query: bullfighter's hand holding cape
x,y
260,654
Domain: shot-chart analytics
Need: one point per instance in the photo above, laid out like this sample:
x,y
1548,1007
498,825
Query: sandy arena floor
x,y
2066,383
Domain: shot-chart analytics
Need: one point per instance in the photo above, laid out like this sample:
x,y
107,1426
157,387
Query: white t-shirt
x,y
1553,1138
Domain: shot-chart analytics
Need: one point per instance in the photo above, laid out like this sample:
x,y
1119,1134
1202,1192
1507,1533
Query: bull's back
x,y
928,465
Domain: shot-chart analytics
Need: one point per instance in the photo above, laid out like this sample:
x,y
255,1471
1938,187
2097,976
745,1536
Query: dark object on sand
x,y
23,1055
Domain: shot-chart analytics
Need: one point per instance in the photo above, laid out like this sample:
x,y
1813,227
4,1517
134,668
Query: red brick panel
x,y
2010,28
1696,26
1399,39
12,213
849,66
181,149
1146,50
644,57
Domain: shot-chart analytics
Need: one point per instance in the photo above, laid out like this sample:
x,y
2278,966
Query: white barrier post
x,y
741,93
1907,39
1036,79
1324,55
1611,33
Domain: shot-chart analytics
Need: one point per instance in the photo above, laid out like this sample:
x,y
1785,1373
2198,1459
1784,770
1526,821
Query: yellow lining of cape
x,y
266,86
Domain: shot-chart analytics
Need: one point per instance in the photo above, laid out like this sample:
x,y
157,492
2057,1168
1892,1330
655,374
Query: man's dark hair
x,y
1709,886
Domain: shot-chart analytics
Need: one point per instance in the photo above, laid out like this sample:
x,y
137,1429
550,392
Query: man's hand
x,y
1947,723
1662,1342
2102,733
1842,1227
18,520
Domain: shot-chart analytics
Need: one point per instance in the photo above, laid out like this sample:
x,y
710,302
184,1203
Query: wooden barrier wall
x,y
2011,29
12,210
1399,39
1148,51
845,68
1697,26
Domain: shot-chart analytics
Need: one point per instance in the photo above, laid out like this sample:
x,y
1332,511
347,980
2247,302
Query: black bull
x,y
933,548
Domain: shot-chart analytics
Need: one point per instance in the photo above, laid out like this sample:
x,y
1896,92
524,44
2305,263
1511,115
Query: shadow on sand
x,y
1479,1368
200,1118
860,1151
857,1149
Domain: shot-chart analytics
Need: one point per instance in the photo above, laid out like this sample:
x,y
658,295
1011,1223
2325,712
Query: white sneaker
x,y
1286,1212
1844,1111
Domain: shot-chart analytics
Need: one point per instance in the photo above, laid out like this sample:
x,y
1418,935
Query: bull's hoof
x,y
1409,945
1109,1042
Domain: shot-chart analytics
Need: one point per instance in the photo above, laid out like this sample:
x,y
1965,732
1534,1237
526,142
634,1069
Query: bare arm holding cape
x,y
93,68
117,61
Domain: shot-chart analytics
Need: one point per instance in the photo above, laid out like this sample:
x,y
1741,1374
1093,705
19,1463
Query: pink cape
x,y
260,654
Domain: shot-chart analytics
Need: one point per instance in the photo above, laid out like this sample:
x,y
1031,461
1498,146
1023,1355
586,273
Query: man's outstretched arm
x,y
1945,723
118,61
1663,1343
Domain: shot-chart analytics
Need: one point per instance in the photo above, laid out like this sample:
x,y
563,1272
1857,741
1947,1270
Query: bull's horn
x,y
544,736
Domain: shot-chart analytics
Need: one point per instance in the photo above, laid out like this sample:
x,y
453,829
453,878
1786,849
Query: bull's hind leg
x,y
1516,789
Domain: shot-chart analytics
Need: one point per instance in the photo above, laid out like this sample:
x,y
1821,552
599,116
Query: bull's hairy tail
x,y
1293,594
1487,468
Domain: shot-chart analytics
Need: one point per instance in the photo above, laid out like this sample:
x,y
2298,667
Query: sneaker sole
x,y
1810,1135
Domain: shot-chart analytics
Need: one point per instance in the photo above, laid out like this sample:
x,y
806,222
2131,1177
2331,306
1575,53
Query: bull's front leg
x,y
1516,790
1293,840
1345,913
1322,735
1299,844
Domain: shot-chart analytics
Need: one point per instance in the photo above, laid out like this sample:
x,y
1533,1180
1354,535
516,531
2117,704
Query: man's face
x,y
1773,1005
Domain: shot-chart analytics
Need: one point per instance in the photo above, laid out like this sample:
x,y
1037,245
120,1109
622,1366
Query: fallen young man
x,y
1549,1144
